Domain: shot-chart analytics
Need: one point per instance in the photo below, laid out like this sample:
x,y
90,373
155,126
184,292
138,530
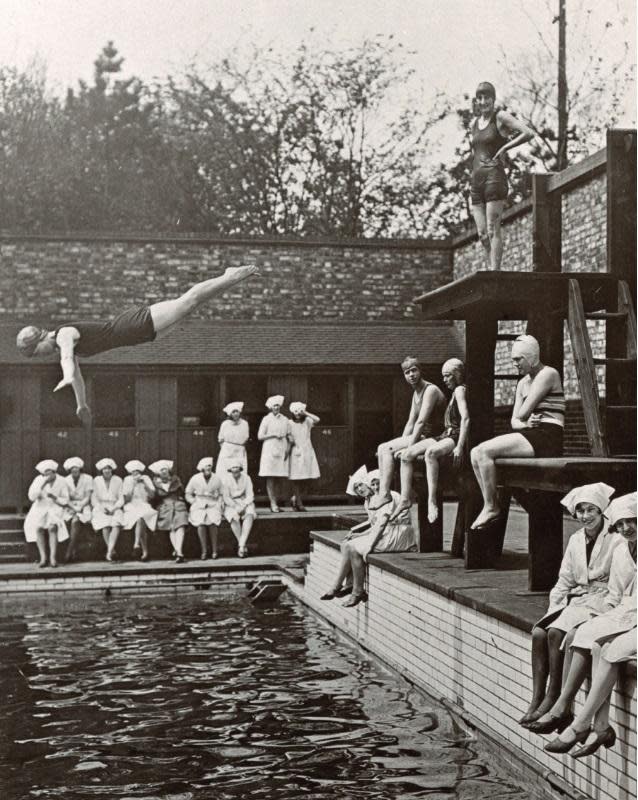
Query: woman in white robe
x,y
138,512
274,432
108,502
239,505
303,459
619,616
44,521
204,495
578,594
78,511
233,435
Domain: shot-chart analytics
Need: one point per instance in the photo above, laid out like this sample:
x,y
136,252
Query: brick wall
x,y
478,662
53,279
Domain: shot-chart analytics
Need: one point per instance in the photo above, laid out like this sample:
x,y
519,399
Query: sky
x,y
456,42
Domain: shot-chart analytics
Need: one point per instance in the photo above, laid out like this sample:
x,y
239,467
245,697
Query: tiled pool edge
x,y
430,639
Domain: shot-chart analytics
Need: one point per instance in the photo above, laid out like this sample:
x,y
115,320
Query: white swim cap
x,y
527,346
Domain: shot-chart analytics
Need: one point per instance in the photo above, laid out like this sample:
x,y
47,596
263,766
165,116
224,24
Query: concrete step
x,y
11,522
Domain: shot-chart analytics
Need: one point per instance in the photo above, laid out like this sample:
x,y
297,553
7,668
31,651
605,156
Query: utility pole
x,y
562,87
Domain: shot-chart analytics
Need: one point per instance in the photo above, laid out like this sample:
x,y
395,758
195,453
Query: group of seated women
x,y
62,505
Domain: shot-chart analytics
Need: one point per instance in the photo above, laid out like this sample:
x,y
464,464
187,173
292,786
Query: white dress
x,y
580,591
79,497
274,461
239,498
303,460
137,496
397,537
621,647
620,600
233,448
111,497
45,511
205,500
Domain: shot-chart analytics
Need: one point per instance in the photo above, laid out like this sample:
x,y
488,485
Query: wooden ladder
x,y
611,433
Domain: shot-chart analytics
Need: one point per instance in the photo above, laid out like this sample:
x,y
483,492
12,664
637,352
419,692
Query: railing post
x,y
546,226
621,206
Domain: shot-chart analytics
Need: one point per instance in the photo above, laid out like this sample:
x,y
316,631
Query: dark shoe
x,y
557,745
179,559
144,557
606,738
355,599
528,718
552,725
329,595
137,548
203,556
42,564
214,555
344,592
301,506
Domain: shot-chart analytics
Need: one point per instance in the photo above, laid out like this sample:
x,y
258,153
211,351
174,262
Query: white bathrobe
x,y
111,497
205,500
47,510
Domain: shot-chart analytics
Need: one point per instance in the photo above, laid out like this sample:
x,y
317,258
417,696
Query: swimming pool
x,y
185,697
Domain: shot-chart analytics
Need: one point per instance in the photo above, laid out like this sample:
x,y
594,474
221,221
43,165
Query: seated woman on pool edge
x,y
620,616
538,419
383,536
172,511
44,522
578,595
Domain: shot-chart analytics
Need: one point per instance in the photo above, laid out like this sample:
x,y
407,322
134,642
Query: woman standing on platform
x,y
138,512
107,501
44,522
78,511
303,460
172,511
204,495
619,617
579,593
492,130
233,435
239,504
274,432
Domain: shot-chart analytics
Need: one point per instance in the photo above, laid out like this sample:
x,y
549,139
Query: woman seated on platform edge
x,y
538,419
579,593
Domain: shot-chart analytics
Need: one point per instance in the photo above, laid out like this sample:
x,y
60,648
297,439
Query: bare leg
x,y
358,576
246,527
170,312
432,456
408,456
296,500
141,537
202,535
596,707
53,545
511,445
105,535
271,485
494,213
235,527
41,541
345,568
115,532
177,538
480,219
540,669
386,453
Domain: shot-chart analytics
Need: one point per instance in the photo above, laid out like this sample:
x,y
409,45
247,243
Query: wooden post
x,y
480,343
621,206
546,226
545,538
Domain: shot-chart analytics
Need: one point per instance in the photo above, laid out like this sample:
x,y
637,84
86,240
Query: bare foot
x,y
486,516
379,501
236,274
404,505
84,415
433,512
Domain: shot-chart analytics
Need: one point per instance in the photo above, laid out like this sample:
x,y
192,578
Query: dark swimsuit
x,y
131,327
489,181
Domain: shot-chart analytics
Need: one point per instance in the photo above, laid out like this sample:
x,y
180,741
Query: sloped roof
x,y
287,342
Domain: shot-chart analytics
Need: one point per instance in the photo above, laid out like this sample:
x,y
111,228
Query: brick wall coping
x,y
510,214
205,240
498,593
578,173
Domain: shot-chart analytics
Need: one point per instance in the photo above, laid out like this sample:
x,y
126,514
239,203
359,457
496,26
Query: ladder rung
x,y
621,409
605,315
615,361
507,337
508,376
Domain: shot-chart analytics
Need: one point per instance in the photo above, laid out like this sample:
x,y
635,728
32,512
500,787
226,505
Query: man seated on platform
x,y
538,419
425,421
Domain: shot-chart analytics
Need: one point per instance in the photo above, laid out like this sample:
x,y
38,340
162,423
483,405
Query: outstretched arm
x,y
71,372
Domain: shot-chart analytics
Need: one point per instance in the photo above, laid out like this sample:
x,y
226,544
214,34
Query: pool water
x,y
188,696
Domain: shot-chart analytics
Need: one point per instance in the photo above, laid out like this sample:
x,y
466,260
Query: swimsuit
x,y
133,326
489,181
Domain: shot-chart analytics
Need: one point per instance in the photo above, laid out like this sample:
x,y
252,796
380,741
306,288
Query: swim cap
x,y
453,365
485,87
527,347
27,340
